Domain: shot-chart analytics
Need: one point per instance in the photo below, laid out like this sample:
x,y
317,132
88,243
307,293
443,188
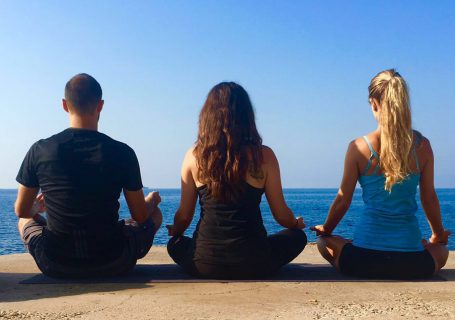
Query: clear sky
x,y
305,64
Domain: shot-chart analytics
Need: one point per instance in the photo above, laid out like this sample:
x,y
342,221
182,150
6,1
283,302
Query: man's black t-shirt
x,y
81,174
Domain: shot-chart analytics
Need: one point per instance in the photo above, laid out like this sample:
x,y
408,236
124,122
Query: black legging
x,y
284,247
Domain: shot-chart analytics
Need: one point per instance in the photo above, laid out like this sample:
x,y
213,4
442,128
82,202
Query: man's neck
x,y
88,123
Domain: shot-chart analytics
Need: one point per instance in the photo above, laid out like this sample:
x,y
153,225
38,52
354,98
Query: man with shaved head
x,y
76,178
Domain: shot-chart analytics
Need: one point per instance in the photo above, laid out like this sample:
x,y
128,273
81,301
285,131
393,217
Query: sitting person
x,y
389,164
229,170
81,173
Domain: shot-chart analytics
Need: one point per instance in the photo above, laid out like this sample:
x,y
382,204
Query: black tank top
x,y
230,233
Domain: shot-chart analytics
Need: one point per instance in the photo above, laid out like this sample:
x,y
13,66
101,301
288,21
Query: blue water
x,y
312,204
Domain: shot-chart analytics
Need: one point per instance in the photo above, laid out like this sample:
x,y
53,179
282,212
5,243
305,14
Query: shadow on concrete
x,y
171,273
12,289
15,287
447,274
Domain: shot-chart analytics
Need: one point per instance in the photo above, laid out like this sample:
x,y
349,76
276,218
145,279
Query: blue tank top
x,y
388,221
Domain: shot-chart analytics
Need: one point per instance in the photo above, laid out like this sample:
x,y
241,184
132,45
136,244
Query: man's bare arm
x,y
27,203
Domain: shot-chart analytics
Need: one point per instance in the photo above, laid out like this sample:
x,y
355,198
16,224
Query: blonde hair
x,y
389,89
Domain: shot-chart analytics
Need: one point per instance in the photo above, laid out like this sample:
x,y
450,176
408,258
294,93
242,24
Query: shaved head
x,y
83,93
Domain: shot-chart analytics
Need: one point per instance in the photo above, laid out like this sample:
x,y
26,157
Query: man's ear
x,y
65,105
100,105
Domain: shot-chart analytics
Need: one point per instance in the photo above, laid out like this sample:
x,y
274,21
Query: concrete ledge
x,y
307,289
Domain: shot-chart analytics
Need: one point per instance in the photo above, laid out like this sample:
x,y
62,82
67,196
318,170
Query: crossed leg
x,y
440,254
330,248
21,224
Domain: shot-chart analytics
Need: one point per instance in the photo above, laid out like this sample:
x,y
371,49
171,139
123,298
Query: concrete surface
x,y
308,289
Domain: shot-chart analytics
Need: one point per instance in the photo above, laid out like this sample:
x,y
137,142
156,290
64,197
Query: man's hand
x,y
153,199
38,205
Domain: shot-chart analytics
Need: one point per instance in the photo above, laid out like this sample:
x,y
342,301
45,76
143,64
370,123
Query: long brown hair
x,y
389,89
228,145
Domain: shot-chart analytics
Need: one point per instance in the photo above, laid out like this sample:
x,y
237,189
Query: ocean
x,y
312,204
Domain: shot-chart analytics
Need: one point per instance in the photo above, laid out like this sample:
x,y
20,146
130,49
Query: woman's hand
x,y
320,230
440,238
170,230
299,223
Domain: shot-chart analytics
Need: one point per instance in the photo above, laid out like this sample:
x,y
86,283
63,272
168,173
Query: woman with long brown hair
x,y
389,163
229,169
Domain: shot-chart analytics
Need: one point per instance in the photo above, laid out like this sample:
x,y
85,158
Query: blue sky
x,y
305,64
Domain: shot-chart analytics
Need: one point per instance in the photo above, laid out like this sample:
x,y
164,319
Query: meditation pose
x,y
81,173
389,163
229,170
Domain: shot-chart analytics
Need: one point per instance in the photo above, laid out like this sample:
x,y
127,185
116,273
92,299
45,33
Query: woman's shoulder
x,y
189,155
371,138
420,140
189,161
268,156
266,150
358,143
359,151
190,151
361,145
422,143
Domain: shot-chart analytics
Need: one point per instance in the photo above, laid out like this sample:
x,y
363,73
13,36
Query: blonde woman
x,y
389,164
